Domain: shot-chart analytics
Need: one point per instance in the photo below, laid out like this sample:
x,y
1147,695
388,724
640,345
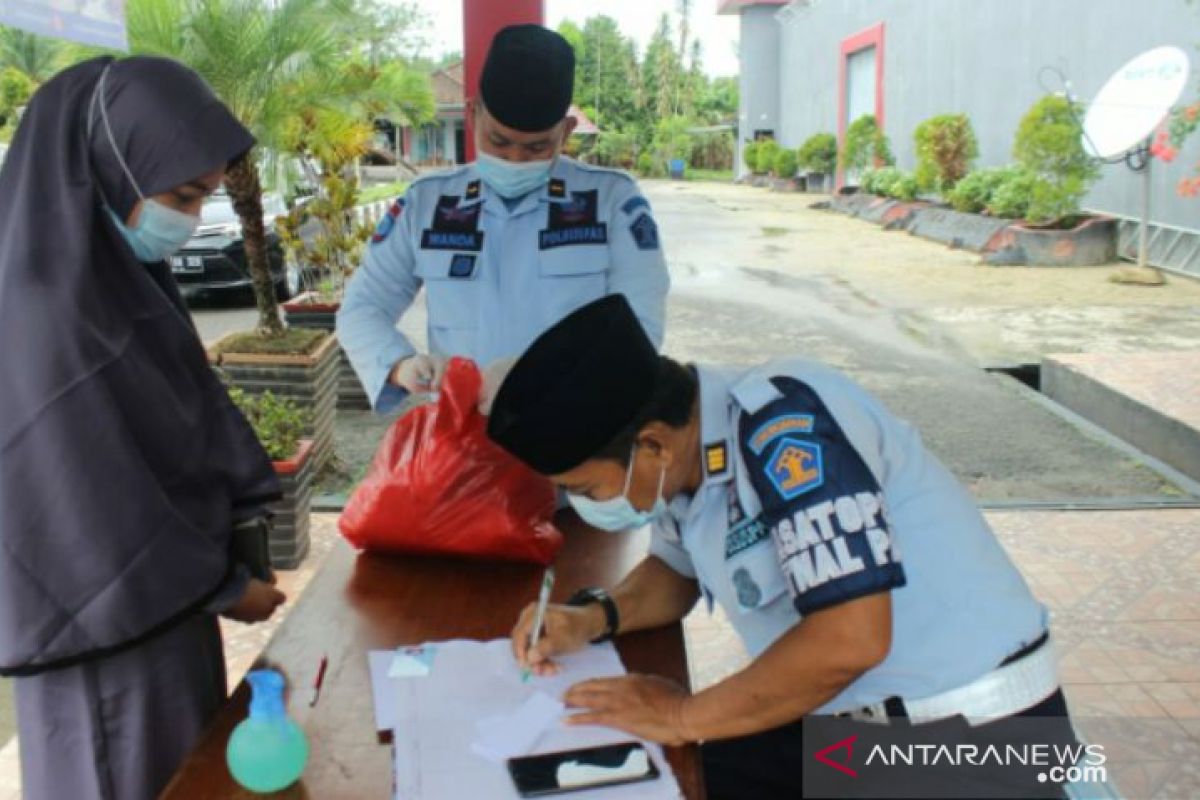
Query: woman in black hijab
x,y
123,464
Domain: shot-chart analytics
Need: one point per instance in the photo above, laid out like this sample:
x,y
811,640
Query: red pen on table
x,y
316,689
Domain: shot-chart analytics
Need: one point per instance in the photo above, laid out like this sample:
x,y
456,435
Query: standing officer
x,y
507,245
857,571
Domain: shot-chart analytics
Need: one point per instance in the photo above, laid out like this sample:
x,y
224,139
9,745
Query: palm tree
x,y
263,61
38,57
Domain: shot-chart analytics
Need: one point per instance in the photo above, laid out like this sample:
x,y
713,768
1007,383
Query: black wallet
x,y
250,546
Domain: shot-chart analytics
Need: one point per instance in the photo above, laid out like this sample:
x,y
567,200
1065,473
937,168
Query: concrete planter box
x,y
1091,243
304,313
310,380
891,214
788,184
290,539
958,230
818,182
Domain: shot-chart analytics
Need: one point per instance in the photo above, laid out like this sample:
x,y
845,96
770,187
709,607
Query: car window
x,y
218,210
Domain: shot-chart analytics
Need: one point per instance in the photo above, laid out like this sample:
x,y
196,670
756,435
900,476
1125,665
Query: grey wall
x,y
982,57
760,74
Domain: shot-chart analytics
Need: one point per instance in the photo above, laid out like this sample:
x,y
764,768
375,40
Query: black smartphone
x,y
587,768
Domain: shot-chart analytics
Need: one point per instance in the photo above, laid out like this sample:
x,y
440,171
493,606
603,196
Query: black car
x,y
215,259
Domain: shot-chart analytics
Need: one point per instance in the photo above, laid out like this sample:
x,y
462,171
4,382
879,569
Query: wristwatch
x,y
594,594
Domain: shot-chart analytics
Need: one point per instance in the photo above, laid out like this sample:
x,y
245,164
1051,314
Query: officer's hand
x,y
493,376
565,629
646,706
419,374
257,603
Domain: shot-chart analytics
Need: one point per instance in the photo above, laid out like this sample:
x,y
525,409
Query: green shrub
x,y
712,151
946,148
1012,196
1049,146
646,166
277,421
750,155
616,149
880,181
819,153
768,150
974,192
786,163
904,187
866,145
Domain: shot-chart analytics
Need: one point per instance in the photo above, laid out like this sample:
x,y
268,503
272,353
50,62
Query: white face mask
x,y
619,514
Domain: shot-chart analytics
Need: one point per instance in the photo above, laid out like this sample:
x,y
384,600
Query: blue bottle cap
x,y
266,694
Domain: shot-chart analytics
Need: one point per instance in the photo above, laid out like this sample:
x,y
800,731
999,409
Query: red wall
x,y
481,20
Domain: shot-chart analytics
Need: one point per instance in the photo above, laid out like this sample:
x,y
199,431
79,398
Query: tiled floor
x,y
1124,593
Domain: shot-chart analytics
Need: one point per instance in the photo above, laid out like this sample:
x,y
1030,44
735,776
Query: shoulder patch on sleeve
x,y
386,225
645,232
634,203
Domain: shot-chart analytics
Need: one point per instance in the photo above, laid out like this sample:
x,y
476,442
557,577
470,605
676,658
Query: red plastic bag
x,y
439,485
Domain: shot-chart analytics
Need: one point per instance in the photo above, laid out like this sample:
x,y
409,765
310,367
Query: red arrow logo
x,y
845,744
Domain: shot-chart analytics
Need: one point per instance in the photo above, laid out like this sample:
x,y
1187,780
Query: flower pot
x,y
290,530
311,380
306,311
1090,243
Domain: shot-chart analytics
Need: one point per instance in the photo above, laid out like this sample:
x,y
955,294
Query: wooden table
x,y
357,603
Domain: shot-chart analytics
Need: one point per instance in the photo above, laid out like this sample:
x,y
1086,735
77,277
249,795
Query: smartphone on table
x,y
587,768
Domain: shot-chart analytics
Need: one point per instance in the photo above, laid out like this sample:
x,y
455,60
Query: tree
x,y
605,73
660,73
389,31
38,57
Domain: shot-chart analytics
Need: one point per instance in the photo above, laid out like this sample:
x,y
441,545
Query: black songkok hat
x,y
528,78
576,387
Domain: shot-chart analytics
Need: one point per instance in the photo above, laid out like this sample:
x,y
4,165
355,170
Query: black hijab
x,y
122,459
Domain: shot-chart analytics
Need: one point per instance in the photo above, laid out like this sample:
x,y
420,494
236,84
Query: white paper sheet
x,y
474,688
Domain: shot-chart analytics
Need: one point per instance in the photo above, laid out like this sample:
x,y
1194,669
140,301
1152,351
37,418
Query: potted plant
x,y
279,424
818,156
768,151
946,149
786,165
325,236
865,147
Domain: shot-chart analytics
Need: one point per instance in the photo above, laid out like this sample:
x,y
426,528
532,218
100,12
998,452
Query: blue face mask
x,y
512,179
618,514
160,232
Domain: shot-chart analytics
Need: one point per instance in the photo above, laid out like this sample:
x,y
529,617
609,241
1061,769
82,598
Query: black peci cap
x,y
528,78
576,387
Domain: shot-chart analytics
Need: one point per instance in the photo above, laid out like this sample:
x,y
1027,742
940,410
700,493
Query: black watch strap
x,y
612,620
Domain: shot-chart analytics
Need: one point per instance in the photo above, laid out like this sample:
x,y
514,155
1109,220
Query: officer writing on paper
x,y
504,246
859,574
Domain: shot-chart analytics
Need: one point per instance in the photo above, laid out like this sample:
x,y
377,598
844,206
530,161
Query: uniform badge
x,y
462,266
645,232
795,468
386,225
557,188
716,459
453,227
774,428
574,222
472,190
749,593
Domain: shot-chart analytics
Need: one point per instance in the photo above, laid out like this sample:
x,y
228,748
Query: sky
x,y
636,18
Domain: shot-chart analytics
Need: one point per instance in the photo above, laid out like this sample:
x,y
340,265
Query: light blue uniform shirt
x,y
814,495
497,274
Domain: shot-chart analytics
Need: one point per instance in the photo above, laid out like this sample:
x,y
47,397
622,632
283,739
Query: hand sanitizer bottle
x,y
267,751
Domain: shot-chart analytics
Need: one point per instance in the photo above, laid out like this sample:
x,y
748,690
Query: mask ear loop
x,y
98,99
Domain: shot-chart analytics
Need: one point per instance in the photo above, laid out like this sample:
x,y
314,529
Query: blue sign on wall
x,y
94,22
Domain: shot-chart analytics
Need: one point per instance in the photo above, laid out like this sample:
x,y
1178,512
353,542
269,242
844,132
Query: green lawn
x,y
387,191
709,175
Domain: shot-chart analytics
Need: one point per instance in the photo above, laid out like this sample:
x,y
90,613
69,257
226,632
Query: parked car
x,y
215,259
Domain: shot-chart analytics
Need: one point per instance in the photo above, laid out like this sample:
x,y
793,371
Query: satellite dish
x,y
1134,101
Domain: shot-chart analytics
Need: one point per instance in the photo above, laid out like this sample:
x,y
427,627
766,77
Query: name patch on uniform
x,y
453,227
386,225
795,468
773,429
449,240
462,266
645,232
744,535
573,222
716,458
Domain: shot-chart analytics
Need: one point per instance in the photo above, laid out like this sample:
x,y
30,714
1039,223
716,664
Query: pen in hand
x,y
539,616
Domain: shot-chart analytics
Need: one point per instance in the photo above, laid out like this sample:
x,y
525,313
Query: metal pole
x,y
1143,232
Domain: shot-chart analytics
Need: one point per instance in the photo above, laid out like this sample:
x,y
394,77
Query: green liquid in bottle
x,y
267,751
